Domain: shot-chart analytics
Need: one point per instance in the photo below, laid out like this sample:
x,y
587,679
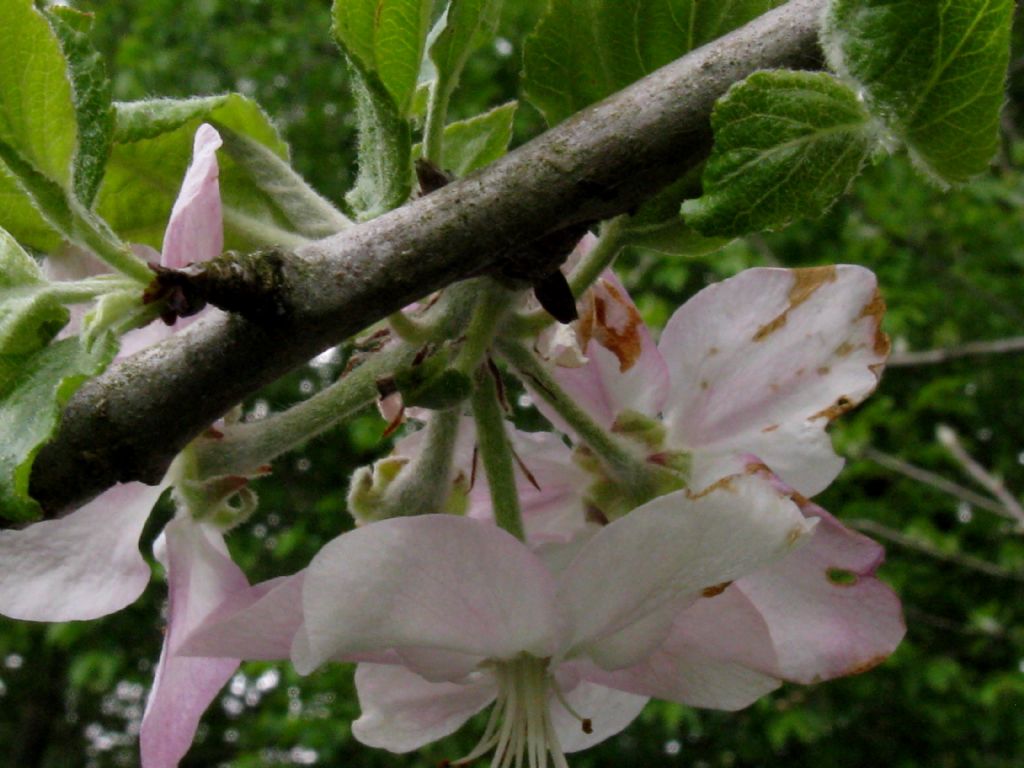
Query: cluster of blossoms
x,y
659,541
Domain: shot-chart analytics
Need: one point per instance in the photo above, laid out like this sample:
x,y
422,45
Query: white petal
x,y
401,711
633,577
436,581
827,613
81,566
195,232
609,712
788,351
256,624
201,576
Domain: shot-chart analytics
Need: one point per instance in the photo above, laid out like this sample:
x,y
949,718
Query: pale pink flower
x,y
87,564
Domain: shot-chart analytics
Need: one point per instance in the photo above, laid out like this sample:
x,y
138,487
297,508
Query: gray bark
x,y
128,423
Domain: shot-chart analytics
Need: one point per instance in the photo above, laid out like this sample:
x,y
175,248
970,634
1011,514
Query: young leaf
x,y
153,147
21,218
466,24
310,214
30,405
36,377
787,144
473,143
385,38
385,141
37,114
933,70
92,94
585,50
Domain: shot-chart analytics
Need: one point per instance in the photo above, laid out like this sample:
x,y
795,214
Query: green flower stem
x,y
641,480
94,233
496,454
423,486
247,446
613,238
82,291
408,329
491,304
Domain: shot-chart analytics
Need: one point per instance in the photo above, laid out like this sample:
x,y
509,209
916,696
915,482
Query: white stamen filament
x,y
520,729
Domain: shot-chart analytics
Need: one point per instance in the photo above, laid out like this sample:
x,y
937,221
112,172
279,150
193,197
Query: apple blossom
x,y
87,564
465,614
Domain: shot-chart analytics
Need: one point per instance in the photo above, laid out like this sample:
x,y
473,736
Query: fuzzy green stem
x,y
249,445
424,484
496,454
81,291
492,302
613,239
94,233
408,329
640,479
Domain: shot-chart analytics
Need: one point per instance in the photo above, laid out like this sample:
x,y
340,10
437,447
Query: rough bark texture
x,y
130,422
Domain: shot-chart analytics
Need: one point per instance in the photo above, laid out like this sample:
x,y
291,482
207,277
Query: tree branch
x,y
128,423
971,349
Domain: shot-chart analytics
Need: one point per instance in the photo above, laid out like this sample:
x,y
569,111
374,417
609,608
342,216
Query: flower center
x,y
520,730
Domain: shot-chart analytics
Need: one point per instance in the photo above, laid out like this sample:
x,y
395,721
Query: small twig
x,y
935,481
947,436
969,562
944,354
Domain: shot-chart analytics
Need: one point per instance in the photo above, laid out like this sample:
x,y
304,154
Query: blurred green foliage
x,y
950,267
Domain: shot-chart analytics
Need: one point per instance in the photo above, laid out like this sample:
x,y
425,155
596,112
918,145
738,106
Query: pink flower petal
x,y
81,566
625,370
201,576
434,581
630,580
258,623
609,712
787,351
194,232
401,711
827,613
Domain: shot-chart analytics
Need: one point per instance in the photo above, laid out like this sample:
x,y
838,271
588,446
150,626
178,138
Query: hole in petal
x,y
842,577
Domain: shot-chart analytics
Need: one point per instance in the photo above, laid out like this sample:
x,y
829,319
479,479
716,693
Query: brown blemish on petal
x,y
805,283
824,370
704,385
795,534
715,590
623,339
725,484
844,349
864,666
834,411
712,351
772,428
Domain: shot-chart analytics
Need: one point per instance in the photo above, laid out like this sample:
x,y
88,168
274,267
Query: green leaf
x,y
659,226
21,218
30,406
36,376
585,50
933,70
385,143
92,99
787,144
37,113
385,39
309,213
473,143
468,24
152,150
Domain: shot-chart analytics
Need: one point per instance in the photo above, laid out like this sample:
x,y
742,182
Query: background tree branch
x,y
128,423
